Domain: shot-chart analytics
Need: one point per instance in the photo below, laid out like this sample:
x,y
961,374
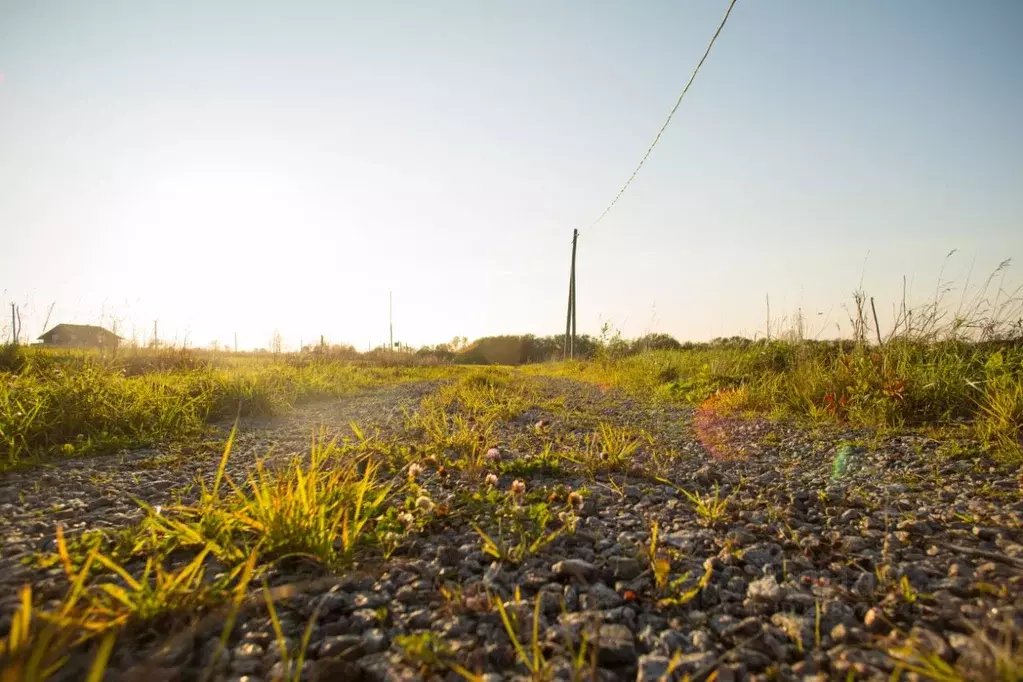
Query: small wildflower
x,y
493,454
575,499
391,538
424,503
406,519
518,487
491,480
415,469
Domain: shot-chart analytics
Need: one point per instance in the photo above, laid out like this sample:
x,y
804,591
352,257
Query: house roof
x,y
82,328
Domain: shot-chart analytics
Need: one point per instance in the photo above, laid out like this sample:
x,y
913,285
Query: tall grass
x,y
80,402
938,365
902,384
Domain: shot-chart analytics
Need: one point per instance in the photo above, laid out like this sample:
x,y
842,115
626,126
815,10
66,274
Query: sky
x,y
244,166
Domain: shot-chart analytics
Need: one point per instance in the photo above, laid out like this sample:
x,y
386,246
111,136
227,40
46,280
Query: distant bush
x,y
655,342
12,358
522,349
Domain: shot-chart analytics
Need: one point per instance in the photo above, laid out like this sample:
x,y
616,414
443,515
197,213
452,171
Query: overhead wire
x,y
667,121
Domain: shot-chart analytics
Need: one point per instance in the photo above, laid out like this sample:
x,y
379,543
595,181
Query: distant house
x,y
80,336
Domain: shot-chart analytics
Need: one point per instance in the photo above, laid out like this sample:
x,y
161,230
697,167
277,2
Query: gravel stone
x,y
617,645
574,568
622,568
652,668
766,590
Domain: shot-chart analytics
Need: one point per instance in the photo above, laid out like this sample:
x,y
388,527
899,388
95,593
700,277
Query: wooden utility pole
x,y
570,315
236,342
575,238
390,320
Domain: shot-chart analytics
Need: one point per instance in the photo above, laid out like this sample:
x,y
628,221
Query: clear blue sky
x,y
244,166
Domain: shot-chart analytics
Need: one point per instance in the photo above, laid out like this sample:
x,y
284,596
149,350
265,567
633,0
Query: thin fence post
x,y
877,327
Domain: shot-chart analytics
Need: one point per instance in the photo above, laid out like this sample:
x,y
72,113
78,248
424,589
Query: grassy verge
x,y
900,384
343,501
318,509
80,403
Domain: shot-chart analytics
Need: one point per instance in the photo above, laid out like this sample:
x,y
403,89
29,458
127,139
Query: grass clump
x,y
315,508
103,600
184,560
523,528
533,658
711,509
610,448
995,655
460,424
676,591
38,644
426,651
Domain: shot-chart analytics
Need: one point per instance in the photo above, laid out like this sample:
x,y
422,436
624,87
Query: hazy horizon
x,y
245,167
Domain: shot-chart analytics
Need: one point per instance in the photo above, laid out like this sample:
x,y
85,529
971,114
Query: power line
x,y
660,132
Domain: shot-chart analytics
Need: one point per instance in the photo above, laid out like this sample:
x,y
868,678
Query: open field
x,y
741,510
73,403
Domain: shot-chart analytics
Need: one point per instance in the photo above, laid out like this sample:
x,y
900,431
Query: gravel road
x,y
829,554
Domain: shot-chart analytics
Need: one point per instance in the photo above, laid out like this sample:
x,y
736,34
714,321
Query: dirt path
x,y
99,492
823,555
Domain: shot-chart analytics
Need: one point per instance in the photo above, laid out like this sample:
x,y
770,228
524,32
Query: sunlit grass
x,y
315,507
998,656
904,384
319,508
75,403
102,600
610,448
